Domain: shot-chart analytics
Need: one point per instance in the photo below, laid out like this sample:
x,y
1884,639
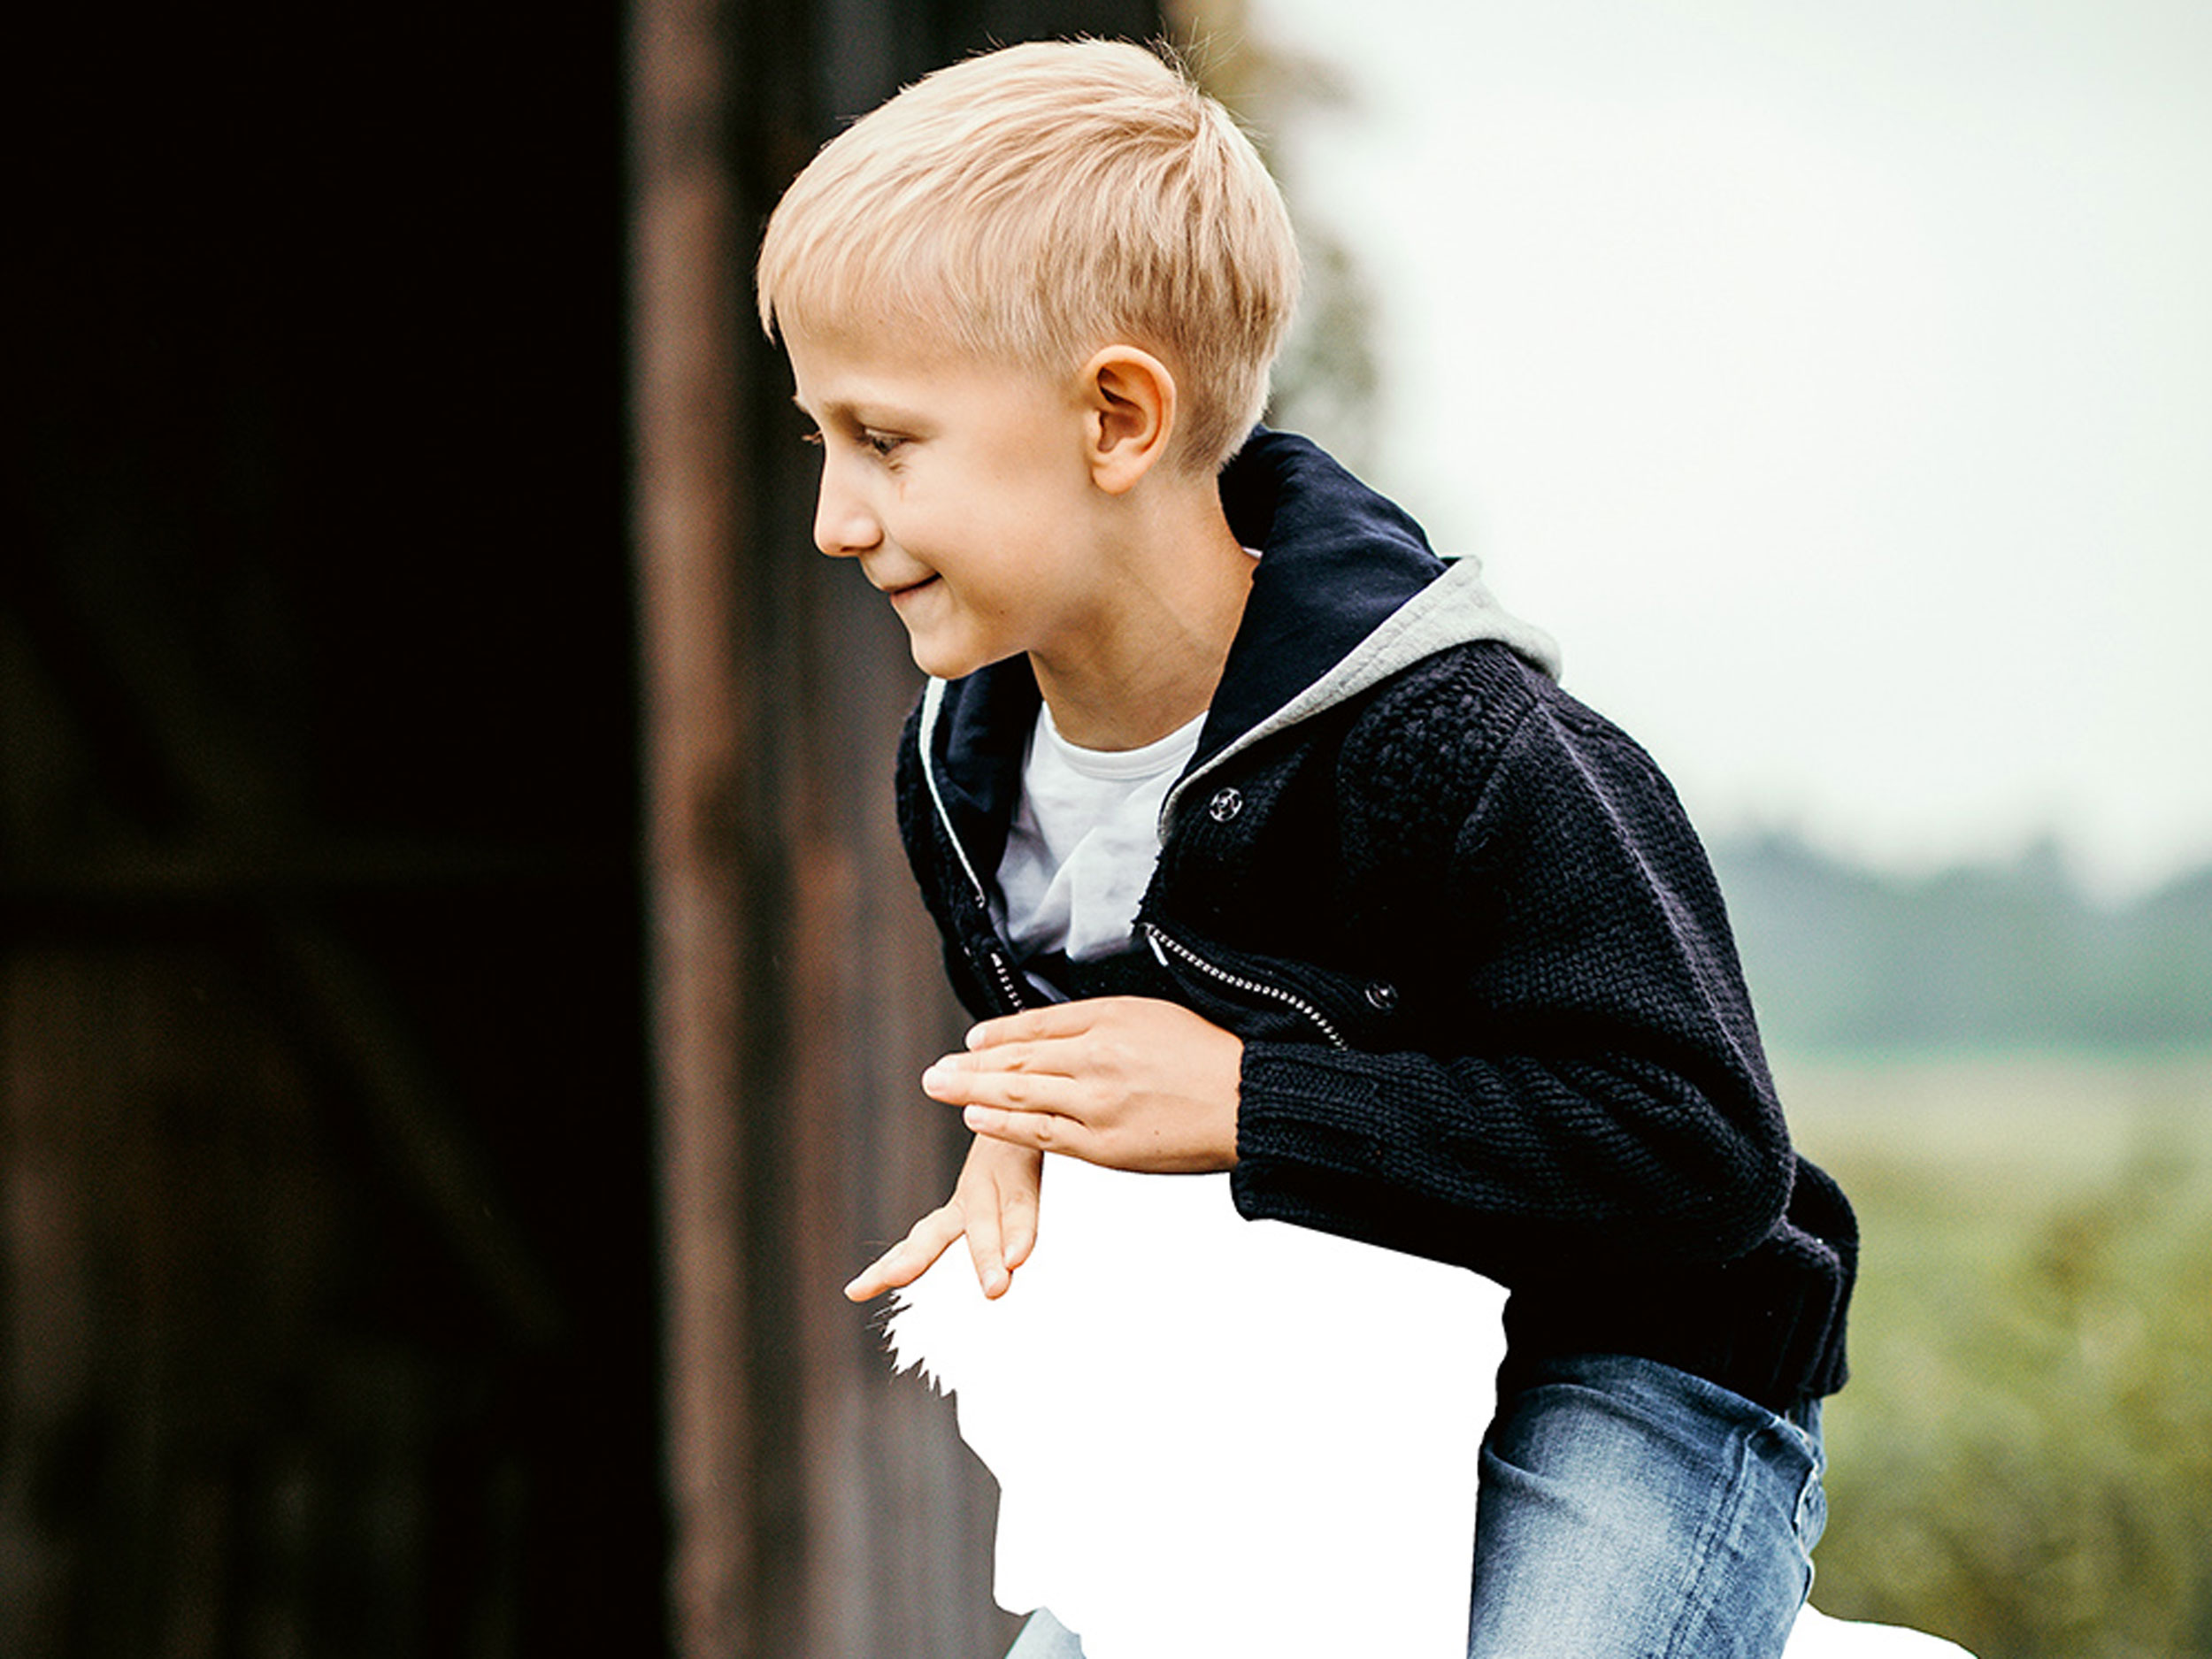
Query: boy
x,y
1421,951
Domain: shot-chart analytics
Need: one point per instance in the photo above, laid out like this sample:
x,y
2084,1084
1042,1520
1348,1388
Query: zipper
x,y
933,699
1163,944
1015,1000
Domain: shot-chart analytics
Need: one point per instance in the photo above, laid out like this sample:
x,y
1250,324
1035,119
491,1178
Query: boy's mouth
x,y
894,594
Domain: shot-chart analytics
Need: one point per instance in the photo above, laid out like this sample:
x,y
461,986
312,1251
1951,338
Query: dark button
x,y
1225,806
1382,996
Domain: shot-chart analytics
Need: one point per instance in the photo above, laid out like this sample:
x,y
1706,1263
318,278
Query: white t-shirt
x,y
1085,839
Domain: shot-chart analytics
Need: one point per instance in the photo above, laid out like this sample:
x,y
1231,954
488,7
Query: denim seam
x,y
1726,1523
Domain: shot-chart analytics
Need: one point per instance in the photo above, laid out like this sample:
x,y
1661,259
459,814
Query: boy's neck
x,y
1151,665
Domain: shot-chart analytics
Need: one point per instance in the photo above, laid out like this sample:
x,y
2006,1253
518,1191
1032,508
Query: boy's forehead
x,y
861,339
850,367
862,327
856,365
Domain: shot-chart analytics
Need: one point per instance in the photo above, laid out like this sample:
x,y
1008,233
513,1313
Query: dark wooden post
x,y
692,493
818,1506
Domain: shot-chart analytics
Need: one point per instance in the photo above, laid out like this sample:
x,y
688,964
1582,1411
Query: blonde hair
x,y
1037,202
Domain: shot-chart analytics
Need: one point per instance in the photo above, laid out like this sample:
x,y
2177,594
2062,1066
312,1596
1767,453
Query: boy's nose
x,y
843,525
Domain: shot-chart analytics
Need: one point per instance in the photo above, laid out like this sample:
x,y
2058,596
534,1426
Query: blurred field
x,y
2022,1461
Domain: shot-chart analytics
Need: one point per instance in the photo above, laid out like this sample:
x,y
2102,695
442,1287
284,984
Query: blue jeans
x,y
1045,1637
1628,1511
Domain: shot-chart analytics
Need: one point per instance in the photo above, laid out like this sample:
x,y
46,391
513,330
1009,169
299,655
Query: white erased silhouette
x,y
1213,1435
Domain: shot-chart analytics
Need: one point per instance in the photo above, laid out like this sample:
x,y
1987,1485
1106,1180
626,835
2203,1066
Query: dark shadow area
x,y
331,1279
329,1290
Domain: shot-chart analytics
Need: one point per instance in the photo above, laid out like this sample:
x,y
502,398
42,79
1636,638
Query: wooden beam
x,y
692,491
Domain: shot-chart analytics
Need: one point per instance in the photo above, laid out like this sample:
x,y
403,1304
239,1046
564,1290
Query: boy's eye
x,y
882,445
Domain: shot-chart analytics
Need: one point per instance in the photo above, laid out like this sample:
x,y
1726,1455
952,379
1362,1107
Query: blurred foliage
x,y
2023,1460
1840,958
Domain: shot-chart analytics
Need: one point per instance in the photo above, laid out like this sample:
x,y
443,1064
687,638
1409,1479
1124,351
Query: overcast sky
x,y
1836,382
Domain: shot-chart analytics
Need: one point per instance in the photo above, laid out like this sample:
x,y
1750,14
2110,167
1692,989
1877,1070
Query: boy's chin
x,y
935,660
941,660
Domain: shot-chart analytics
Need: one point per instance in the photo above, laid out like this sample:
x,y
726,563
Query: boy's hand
x,y
994,1203
1130,1082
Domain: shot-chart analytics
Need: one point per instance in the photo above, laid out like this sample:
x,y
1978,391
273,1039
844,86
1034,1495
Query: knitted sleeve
x,y
1587,1084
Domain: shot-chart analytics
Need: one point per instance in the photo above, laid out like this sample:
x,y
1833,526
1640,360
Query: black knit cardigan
x,y
1492,1010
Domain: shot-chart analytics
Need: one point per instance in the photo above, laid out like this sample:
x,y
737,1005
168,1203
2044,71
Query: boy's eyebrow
x,y
861,414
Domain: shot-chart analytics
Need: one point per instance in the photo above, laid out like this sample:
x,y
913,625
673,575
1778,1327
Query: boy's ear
x,y
1130,408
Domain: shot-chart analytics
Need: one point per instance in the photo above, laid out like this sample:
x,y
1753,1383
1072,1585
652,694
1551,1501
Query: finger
x,y
1017,1226
1040,1131
1008,1091
987,1252
910,1257
1043,1056
1054,1020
